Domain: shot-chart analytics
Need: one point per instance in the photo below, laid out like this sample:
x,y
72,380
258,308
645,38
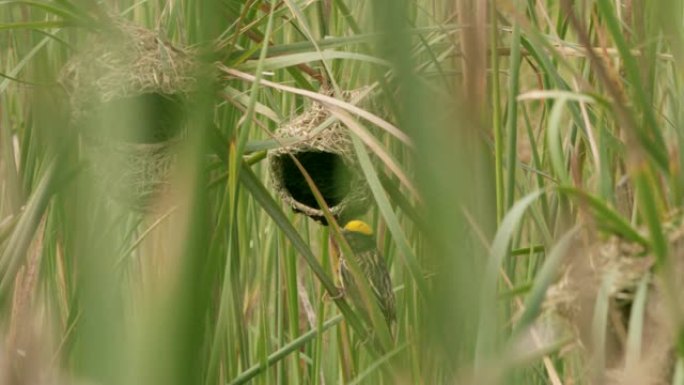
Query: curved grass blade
x,y
35,25
24,61
391,129
233,95
376,364
599,328
47,7
283,352
543,280
636,324
26,226
279,62
377,149
607,217
646,187
555,141
487,329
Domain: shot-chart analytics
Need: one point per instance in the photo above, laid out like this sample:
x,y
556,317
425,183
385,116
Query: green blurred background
x,y
494,133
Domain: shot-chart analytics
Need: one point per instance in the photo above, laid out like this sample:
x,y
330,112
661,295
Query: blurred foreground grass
x,y
497,139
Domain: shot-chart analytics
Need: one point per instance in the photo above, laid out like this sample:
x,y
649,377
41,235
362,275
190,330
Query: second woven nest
x,y
614,269
327,154
127,90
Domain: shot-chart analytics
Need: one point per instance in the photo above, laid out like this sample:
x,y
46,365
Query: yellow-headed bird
x,y
362,242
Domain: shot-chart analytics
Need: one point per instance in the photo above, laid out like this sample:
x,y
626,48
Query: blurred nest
x,y
327,155
127,88
613,270
586,272
123,61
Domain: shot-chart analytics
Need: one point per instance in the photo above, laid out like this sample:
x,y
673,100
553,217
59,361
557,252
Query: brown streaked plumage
x,y
362,242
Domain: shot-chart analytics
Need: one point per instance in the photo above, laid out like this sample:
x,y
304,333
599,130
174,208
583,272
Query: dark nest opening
x,y
145,118
327,154
328,171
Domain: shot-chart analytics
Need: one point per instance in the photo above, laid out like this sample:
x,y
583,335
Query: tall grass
x,y
496,138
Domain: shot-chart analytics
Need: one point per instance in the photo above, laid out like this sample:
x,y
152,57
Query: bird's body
x,y
372,265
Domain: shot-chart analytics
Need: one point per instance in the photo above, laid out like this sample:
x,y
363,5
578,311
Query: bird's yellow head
x,y
357,226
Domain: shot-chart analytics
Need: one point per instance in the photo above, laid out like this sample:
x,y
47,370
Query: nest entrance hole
x,y
144,118
331,175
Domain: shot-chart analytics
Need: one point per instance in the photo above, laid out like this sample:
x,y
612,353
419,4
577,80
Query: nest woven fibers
x,y
123,61
127,90
613,271
328,157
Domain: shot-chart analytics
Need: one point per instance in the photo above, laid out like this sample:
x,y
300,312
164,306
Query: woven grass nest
x,y
328,157
614,269
127,90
